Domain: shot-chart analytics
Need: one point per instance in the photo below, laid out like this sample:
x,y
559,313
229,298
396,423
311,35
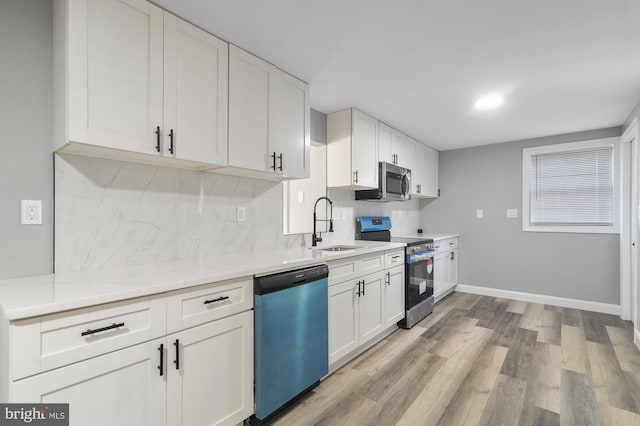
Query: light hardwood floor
x,y
485,361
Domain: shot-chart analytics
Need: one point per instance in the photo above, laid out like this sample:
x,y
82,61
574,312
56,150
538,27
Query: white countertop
x,y
45,294
426,235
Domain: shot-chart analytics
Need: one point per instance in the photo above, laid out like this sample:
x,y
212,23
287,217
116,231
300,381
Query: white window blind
x,y
572,188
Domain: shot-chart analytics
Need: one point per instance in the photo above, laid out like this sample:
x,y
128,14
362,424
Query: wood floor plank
x,y
429,406
608,379
348,411
384,378
468,403
519,362
401,394
626,352
612,416
532,316
504,329
574,350
545,383
549,329
572,317
378,356
505,402
542,417
517,306
594,328
578,404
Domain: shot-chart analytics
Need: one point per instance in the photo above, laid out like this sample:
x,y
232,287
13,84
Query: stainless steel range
x,y
419,254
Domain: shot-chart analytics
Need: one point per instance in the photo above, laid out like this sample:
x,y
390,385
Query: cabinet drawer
x,y
41,344
446,245
343,270
393,258
371,263
195,306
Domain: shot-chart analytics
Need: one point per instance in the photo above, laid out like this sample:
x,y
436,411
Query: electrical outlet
x,y
241,214
512,213
31,212
479,213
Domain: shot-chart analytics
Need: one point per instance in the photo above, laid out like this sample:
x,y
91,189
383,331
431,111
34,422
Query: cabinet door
x,y
364,150
115,73
440,273
212,384
195,93
120,388
250,80
453,267
385,148
430,172
293,127
398,148
343,326
413,163
394,296
370,307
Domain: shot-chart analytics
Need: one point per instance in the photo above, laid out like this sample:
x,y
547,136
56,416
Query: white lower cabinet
x,y
120,388
364,300
445,267
394,296
212,381
370,307
121,370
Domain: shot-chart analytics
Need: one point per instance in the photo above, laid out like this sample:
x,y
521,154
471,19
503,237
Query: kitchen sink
x,y
337,248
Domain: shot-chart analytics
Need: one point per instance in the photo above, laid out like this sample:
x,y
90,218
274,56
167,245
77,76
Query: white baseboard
x,y
564,302
636,337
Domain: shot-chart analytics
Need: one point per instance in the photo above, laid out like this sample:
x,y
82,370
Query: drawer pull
x,y
219,299
98,330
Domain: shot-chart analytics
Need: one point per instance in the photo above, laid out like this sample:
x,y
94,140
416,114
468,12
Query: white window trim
x,y
527,153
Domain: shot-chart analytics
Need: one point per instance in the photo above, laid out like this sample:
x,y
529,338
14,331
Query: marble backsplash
x,y
111,214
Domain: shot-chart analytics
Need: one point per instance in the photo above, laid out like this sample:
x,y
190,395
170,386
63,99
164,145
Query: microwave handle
x,y
406,184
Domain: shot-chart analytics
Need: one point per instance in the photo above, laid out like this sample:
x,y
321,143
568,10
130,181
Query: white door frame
x,y
630,218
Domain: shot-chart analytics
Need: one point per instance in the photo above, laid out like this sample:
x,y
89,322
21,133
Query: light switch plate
x,y
479,213
512,213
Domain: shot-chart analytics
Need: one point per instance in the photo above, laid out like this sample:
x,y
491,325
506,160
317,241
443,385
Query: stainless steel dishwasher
x,y
291,336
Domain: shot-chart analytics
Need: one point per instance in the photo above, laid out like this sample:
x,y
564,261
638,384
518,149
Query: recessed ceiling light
x,y
490,102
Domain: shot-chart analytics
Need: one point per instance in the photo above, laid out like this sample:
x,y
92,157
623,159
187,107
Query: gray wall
x,y
494,251
318,126
26,164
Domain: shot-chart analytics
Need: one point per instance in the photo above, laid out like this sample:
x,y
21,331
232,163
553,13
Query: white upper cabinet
x,y
352,150
430,172
423,162
108,74
398,148
268,119
250,79
385,149
195,93
294,132
126,74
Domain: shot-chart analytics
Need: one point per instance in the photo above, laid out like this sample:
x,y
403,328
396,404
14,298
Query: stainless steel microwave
x,y
394,184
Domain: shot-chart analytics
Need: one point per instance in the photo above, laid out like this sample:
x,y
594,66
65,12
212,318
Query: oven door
x,y
419,281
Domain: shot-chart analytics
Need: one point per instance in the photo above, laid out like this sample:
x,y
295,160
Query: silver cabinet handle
x,y
355,177
388,278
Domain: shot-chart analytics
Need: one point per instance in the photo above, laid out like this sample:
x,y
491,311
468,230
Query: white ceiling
x,y
419,65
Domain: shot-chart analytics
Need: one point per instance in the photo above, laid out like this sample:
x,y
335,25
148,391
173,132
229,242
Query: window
x,y
571,187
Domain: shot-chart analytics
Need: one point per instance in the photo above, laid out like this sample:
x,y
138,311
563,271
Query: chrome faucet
x,y
314,238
